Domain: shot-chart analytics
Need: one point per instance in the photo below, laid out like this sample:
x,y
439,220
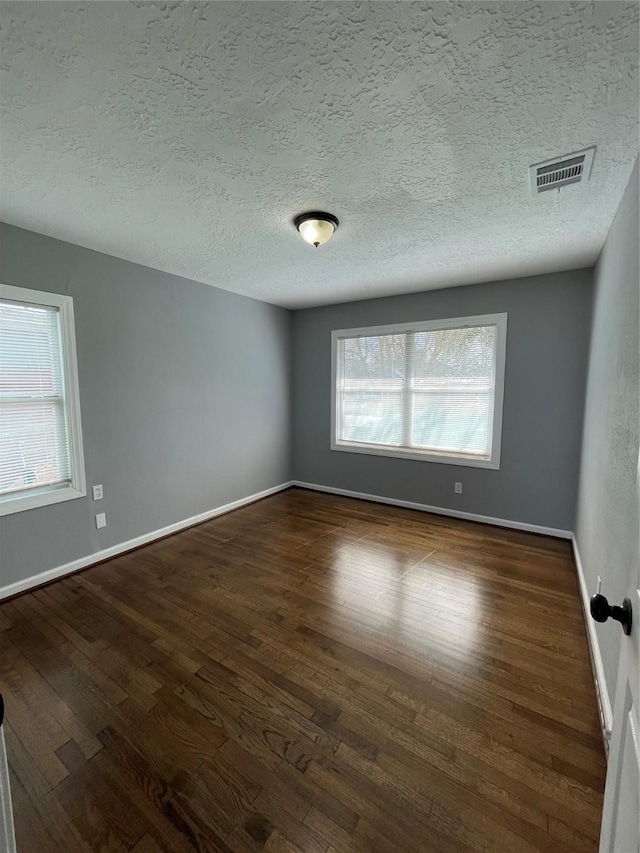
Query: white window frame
x,y
497,320
77,487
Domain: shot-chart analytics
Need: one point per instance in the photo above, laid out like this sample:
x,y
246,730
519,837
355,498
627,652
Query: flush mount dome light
x,y
316,227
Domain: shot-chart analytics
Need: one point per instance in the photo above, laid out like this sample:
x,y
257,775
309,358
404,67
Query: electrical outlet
x,y
458,488
101,520
97,493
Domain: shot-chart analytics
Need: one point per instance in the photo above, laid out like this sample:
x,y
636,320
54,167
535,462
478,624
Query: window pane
x,y
30,353
372,417
453,382
373,371
459,423
33,445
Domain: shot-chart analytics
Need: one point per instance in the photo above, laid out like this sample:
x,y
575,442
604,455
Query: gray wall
x,y
184,391
607,518
547,346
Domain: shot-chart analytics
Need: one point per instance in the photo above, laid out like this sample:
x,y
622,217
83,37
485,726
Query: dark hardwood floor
x,y
309,673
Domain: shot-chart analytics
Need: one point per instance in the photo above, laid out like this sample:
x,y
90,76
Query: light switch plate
x,y
101,520
97,493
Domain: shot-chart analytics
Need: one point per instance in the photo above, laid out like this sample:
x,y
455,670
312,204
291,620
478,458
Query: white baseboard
x,y
454,513
114,550
604,703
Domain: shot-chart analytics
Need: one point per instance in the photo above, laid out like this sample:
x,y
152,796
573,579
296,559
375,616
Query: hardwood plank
x,y
309,673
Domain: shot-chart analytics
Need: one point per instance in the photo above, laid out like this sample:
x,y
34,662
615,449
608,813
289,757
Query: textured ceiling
x,y
186,136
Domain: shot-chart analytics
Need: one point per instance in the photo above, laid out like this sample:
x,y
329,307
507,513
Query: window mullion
x,y
407,391
58,399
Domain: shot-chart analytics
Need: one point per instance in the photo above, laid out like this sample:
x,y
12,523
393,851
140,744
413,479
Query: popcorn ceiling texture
x,y
186,136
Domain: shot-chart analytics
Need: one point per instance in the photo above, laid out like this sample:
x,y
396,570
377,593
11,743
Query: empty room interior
x,y
319,427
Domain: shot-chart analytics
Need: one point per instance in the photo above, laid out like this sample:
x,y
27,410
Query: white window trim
x,y
497,320
77,488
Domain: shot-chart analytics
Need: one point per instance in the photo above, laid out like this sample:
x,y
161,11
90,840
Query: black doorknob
x,y
601,610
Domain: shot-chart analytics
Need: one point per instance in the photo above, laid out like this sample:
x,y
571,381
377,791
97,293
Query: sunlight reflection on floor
x,y
407,593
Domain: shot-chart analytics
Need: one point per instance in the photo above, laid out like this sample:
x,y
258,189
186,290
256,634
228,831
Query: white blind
x,y
34,434
421,390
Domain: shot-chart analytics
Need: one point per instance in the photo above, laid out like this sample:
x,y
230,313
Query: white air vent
x,y
561,171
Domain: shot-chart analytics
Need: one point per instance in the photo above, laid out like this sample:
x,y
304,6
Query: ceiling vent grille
x,y
561,171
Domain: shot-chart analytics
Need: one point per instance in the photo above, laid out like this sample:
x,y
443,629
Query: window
x,y
430,391
41,458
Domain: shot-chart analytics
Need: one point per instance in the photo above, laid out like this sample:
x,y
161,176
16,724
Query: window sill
x,y
417,455
10,505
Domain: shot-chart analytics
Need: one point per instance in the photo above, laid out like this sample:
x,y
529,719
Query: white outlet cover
x,y
98,494
458,488
101,520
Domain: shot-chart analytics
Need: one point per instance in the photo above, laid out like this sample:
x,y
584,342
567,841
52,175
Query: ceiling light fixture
x,y
315,227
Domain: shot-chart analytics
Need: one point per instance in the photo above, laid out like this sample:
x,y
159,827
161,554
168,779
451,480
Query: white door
x,y
621,813
7,838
